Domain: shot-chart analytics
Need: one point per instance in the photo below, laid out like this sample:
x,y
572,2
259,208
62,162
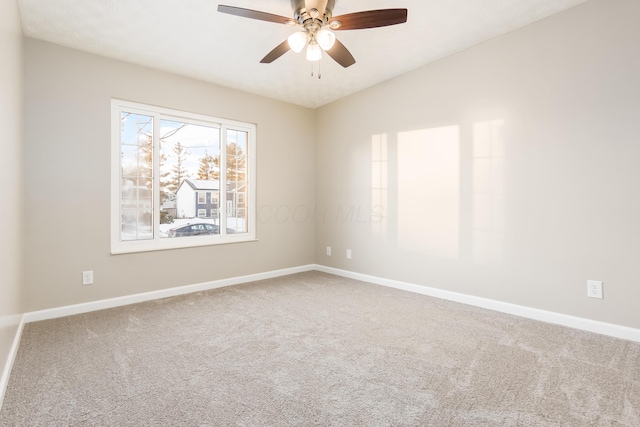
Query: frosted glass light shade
x,y
297,41
325,39
314,53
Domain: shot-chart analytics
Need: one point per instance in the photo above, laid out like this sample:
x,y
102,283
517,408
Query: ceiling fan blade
x,y
341,54
319,5
276,53
255,14
370,19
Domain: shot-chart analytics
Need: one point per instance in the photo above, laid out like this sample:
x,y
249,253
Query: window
x,y
163,158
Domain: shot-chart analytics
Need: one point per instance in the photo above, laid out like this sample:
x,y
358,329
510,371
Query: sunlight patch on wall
x,y
488,192
429,191
379,185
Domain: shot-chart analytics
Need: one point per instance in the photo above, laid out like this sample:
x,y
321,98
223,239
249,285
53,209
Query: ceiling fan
x,y
316,22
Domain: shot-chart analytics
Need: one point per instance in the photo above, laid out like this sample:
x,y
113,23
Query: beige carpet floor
x,y
316,349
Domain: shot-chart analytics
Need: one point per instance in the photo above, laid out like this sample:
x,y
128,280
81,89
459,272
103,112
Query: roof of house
x,y
198,184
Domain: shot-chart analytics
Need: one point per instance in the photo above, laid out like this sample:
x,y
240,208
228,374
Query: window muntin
x,y
169,169
136,169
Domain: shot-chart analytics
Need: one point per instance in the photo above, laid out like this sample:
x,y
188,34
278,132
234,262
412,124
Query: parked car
x,y
197,230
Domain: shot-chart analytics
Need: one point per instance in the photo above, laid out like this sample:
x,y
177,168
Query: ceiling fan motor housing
x,y
305,17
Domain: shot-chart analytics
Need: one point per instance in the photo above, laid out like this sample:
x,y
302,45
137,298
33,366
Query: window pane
x,y
237,184
136,177
189,178
179,174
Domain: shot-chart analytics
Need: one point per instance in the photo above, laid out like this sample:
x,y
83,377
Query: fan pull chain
x,y
319,72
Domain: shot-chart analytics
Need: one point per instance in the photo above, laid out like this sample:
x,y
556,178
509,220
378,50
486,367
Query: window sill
x,y
176,243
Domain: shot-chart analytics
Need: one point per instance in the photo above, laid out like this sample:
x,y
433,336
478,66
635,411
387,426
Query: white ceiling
x,y
191,38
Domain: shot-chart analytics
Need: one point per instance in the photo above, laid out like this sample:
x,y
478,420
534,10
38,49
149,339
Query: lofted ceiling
x,y
191,38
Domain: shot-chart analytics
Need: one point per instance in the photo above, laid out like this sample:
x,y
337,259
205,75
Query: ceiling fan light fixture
x,y
325,39
314,16
297,41
314,53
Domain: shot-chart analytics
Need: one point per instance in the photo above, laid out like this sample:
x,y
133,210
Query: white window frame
x,y
157,243
204,197
202,213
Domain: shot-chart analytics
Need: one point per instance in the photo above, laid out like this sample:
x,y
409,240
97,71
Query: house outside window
x,y
195,195
168,168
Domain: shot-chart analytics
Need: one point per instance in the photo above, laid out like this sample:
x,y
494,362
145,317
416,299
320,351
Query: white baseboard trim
x,y
4,380
610,329
69,310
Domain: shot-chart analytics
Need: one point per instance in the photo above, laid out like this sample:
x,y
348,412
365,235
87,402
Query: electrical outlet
x,y
87,277
348,253
328,250
594,289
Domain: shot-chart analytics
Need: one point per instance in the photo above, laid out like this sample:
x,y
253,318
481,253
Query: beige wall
x,y
11,266
510,172
67,178
512,169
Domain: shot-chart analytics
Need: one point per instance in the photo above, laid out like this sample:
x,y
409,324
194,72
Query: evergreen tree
x,y
178,170
165,181
236,163
207,170
145,167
